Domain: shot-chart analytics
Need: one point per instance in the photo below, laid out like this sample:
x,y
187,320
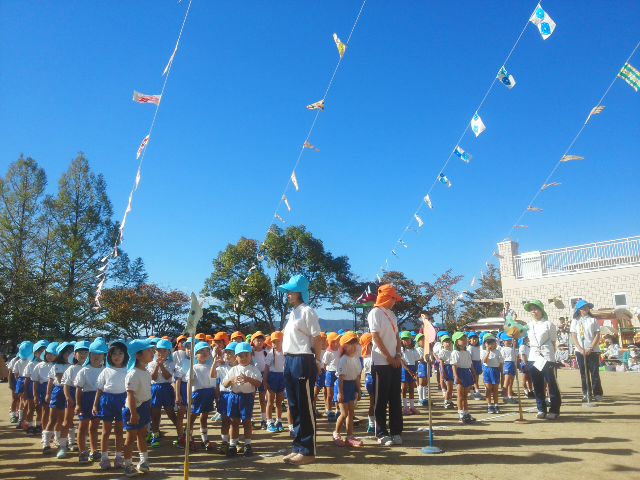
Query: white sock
x,y
72,436
144,456
20,416
411,403
204,435
225,438
56,435
46,436
461,413
233,442
420,396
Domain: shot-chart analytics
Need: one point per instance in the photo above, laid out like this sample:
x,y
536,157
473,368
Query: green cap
x,y
457,336
445,337
419,337
406,335
535,303
488,338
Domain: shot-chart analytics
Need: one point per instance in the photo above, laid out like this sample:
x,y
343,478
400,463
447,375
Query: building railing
x,y
594,256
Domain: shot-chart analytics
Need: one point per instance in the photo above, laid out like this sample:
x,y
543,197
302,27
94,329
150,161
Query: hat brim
x,y
528,306
295,288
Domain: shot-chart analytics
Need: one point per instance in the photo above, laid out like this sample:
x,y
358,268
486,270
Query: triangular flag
x,y
521,226
506,78
571,158
319,105
142,146
142,98
533,209
278,217
543,21
379,279
443,179
550,185
630,75
462,155
310,146
427,200
170,62
595,111
394,253
477,125
286,202
419,220
473,281
294,180
401,242
138,178
341,46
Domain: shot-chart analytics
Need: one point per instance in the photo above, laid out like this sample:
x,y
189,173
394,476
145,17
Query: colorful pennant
x,y
630,75
308,145
571,158
419,220
142,98
462,155
442,178
595,111
427,200
142,146
294,180
543,21
341,46
549,185
506,78
319,105
477,125
286,202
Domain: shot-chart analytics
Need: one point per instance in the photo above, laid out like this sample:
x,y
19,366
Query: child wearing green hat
x,y
410,358
446,370
464,374
423,372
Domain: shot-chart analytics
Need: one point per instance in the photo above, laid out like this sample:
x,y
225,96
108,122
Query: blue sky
x,y
233,119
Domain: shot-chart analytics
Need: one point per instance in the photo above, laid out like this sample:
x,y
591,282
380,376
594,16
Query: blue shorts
x,y
111,405
330,379
406,377
28,390
448,369
509,368
492,375
86,406
466,377
72,392
423,370
240,405
163,395
202,400
320,379
370,383
524,368
58,399
223,401
42,392
20,385
144,414
350,392
183,393
276,381
477,365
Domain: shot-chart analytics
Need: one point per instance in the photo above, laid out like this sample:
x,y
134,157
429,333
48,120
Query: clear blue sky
x,y
233,119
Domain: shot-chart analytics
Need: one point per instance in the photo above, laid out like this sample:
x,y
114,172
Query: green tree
x,y
474,307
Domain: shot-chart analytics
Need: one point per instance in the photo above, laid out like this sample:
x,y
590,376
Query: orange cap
x,y
181,338
220,336
237,334
267,341
277,335
348,337
166,337
201,336
387,293
332,336
366,339
152,336
323,334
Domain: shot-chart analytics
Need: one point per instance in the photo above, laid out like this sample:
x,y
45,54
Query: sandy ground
x,y
583,443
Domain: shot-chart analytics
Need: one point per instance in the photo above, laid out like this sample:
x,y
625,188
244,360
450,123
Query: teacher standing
x,y
386,366
302,346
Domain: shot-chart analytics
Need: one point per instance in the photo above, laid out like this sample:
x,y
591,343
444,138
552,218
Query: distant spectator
x,y
562,355
612,351
633,358
507,311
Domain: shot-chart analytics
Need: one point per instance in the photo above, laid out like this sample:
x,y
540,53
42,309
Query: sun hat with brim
x,y
52,348
332,336
445,338
166,344
221,336
62,346
181,338
25,351
535,303
153,341
200,346
487,338
387,294
299,284
231,347
366,339
419,337
348,337
97,347
277,336
457,336
243,347
504,336
40,344
472,334
82,345
258,334
237,334
580,305
406,335
135,347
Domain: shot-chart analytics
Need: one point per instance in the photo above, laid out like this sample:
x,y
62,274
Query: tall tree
x,y
489,288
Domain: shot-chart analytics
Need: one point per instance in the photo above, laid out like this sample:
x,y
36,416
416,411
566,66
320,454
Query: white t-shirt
x,y
444,356
111,380
58,369
436,348
40,372
201,377
275,360
301,328
139,382
349,367
586,329
474,350
87,378
508,353
260,359
523,350
28,370
410,355
19,367
383,322
222,371
495,359
461,359
250,371
330,360
69,376
178,356
11,363
367,364
168,365
542,337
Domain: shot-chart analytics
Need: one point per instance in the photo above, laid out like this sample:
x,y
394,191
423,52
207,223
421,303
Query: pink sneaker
x,y
337,440
414,411
406,411
354,442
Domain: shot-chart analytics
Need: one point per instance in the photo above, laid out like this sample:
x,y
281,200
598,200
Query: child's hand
x,y
94,411
178,400
341,397
47,399
78,410
135,418
161,362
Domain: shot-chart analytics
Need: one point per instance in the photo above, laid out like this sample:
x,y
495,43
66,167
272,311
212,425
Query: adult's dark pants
x,y
300,372
592,369
388,395
548,374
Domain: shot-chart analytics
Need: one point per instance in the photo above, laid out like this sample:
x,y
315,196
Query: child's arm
x,y
156,371
213,373
78,410
96,403
265,375
49,388
229,379
131,400
36,399
178,390
67,394
166,374
341,389
253,381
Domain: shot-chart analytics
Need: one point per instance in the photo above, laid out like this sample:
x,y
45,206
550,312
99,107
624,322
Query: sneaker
x,y
130,470
271,428
531,395
338,441
462,420
496,409
585,399
292,434
119,462
513,401
13,418
209,446
232,451
38,430
471,418
263,425
73,447
414,410
354,442
371,428
279,427
216,418
223,448
142,467
541,415
96,456
84,457
155,441
551,416
105,464
62,453
406,411
490,409
387,441
424,403
248,451
599,398
396,440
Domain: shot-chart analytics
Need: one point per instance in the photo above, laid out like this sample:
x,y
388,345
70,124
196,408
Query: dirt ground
x,y
582,443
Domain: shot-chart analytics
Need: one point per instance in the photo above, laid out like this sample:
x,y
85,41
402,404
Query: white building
x,y
606,274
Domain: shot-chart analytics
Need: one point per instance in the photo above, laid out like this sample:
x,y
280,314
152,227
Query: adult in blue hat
x,y
585,334
302,346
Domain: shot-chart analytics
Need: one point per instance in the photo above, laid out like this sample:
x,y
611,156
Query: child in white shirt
x,y
223,365
204,387
492,372
330,361
464,374
410,358
348,389
80,354
273,377
446,371
163,396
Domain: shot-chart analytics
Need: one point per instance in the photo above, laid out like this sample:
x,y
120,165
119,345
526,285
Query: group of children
x,y
123,387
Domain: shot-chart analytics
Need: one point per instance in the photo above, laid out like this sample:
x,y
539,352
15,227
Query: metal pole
x,y
431,449
188,426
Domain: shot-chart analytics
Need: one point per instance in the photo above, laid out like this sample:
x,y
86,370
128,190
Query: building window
x,y
620,300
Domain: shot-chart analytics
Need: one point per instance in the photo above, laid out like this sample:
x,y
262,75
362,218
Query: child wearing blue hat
x,y
111,395
25,354
464,375
136,415
492,363
182,366
40,378
56,398
15,399
163,396
203,389
30,391
222,367
80,354
243,379
86,384
509,355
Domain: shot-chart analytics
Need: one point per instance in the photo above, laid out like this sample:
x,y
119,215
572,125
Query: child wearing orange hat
x,y
274,375
347,390
330,361
260,361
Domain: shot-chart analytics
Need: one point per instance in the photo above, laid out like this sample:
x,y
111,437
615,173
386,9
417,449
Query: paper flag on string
x,y
550,185
477,125
195,314
142,98
341,46
595,111
443,179
105,258
319,105
379,279
427,200
394,253
571,158
497,255
543,21
419,220
170,62
630,75
142,146
401,242
294,180
506,78
462,155
521,226
473,281
278,217
253,267
138,178
533,209
286,202
103,268
308,145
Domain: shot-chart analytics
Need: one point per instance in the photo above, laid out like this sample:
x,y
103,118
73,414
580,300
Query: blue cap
x,y
413,334
52,348
40,344
200,346
243,347
162,343
504,337
472,334
580,305
62,346
232,347
188,340
25,350
297,283
83,345
135,347
153,341
341,332
99,347
442,333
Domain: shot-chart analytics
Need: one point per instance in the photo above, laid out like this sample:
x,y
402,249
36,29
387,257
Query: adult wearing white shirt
x,y
542,343
302,346
585,334
386,366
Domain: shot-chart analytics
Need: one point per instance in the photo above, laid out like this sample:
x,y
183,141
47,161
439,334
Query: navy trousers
x,y
300,372
593,370
548,375
388,397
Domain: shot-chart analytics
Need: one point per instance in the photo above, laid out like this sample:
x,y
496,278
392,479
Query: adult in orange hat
x,y
386,357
